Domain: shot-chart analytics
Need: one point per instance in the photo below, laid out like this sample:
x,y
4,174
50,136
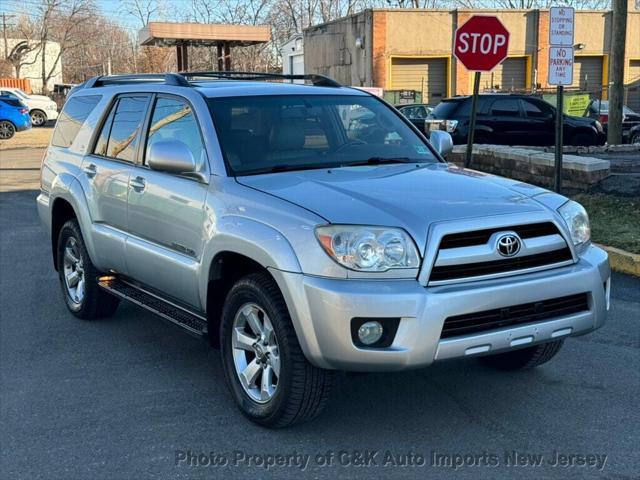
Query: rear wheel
x,y
636,138
79,278
269,377
524,358
7,130
38,118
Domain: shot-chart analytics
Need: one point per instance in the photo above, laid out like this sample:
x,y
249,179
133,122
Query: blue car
x,y
14,117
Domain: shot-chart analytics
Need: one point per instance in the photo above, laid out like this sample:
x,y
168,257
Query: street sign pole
x,y
480,44
559,140
561,38
472,119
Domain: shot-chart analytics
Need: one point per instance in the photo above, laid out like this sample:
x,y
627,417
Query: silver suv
x,y
304,229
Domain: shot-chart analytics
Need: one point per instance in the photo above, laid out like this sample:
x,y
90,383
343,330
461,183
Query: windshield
x,y
444,109
261,134
20,93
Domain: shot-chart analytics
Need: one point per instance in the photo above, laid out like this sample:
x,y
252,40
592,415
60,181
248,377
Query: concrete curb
x,y
623,261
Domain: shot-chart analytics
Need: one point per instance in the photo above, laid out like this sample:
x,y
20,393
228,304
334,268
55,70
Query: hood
x,y
40,98
399,195
586,121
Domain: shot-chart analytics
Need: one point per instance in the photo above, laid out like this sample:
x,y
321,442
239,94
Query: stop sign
x,y
481,43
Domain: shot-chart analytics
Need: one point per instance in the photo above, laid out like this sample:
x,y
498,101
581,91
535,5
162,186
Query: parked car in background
x,y
634,134
508,119
416,112
599,109
41,108
14,117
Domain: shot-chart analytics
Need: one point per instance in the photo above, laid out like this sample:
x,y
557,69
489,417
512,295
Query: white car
x,y
41,108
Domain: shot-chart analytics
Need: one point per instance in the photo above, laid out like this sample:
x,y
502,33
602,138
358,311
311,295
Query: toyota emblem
x,y
508,244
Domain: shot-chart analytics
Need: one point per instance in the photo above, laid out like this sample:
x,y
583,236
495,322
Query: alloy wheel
x,y
256,356
6,130
73,270
38,119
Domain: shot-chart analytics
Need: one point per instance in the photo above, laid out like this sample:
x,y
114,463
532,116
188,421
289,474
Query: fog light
x,y
370,332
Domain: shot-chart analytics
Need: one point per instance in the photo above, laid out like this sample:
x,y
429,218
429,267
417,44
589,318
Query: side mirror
x,y
171,156
441,141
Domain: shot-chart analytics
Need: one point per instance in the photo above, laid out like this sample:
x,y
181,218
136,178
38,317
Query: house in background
x,y
293,55
31,62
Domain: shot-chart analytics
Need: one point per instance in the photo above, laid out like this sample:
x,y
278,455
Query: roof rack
x,y
174,79
182,79
315,79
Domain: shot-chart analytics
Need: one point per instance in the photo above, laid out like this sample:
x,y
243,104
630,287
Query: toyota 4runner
x,y
303,229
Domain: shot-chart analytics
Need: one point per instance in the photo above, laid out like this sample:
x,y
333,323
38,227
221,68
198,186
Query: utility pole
x,y
5,17
616,71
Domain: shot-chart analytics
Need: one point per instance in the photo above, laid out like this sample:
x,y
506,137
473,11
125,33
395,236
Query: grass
x,y
615,221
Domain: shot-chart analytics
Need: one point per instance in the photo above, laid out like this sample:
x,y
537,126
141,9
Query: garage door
x,y
587,74
633,86
511,75
426,75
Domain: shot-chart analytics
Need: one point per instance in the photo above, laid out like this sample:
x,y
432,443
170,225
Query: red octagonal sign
x,y
481,43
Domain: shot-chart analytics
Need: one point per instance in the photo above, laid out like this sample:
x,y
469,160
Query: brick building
x,y
411,49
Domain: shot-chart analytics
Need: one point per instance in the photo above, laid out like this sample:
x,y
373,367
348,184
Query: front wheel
x,y
7,130
38,118
269,377
524,358
79,278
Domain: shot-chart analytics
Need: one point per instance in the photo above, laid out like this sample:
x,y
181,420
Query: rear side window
x,y
120,133
505,108
12,102
71,119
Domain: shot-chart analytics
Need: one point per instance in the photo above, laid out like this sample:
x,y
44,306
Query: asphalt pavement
x,y
131,397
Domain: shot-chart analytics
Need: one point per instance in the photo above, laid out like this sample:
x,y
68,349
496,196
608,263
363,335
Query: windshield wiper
x,y
379,161
285,167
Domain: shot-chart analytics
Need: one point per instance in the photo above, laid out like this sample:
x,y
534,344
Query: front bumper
x,y
322,309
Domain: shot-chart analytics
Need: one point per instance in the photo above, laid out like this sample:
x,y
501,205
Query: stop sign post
x,y
480,44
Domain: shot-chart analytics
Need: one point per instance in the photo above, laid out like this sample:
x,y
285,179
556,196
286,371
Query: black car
x,y
507,119
634,135
416,112
599,109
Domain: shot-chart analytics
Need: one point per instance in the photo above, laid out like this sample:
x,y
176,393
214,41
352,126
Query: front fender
x,y
250,238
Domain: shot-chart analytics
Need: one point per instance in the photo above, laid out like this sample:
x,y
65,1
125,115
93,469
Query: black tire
x,y
7,130
302,390
524,358
635,139
95,303
38,118
582,140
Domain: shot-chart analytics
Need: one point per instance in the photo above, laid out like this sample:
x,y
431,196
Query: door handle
x,y
137,184
90,170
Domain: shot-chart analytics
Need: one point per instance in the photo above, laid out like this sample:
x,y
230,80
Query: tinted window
x,y
173,119
71,119
506,108
536,109
13,102
121,132
445,109
311,131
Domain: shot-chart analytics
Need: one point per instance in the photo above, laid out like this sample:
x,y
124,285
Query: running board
x,y
190,321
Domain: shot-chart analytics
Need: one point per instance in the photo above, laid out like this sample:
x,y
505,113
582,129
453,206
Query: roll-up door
x,y
510,75
587,74
426,75
632,86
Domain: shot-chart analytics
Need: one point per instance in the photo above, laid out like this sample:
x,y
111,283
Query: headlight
x,y
369,249
576,218
599,127
450,125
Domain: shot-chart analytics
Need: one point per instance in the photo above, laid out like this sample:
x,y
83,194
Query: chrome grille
x,y
472,255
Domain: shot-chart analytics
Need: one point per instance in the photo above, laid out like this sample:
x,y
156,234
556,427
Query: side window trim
x,y
147,126
113,105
